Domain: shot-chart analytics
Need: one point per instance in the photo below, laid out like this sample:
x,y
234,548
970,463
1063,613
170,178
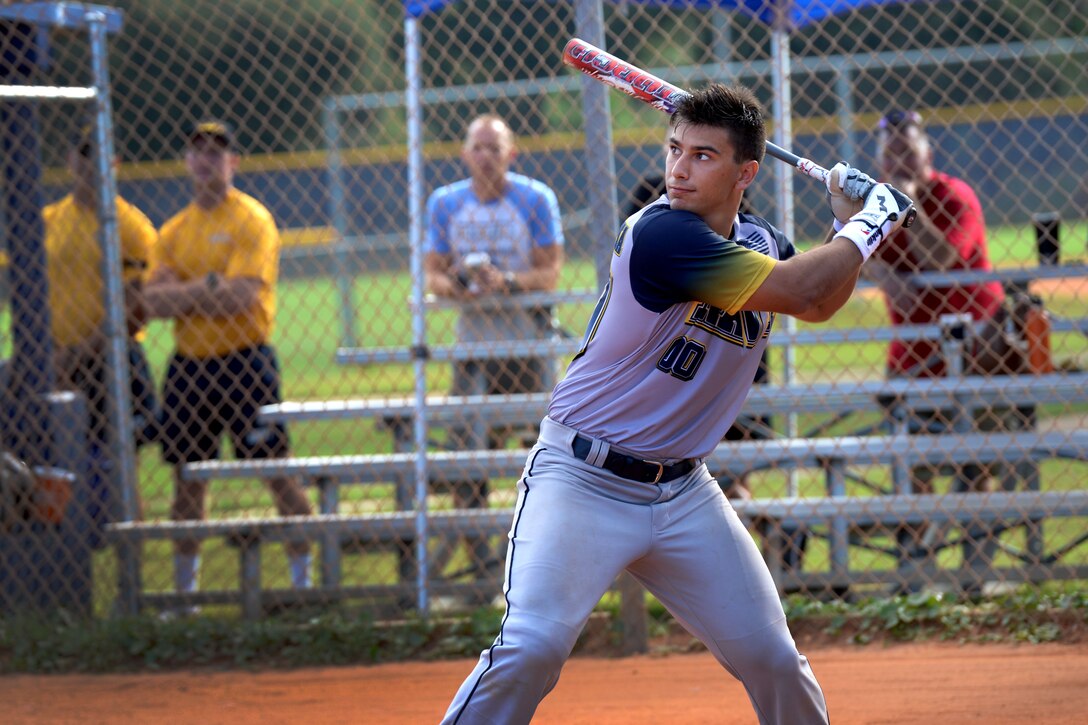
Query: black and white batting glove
x,y
884,211
847,188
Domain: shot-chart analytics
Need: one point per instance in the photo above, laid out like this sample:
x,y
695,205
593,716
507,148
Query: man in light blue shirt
x,y
491,237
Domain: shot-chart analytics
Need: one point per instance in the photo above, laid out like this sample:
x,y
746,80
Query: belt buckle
x,y
660,470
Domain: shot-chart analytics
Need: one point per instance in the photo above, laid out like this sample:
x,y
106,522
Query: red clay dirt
x,y
899,683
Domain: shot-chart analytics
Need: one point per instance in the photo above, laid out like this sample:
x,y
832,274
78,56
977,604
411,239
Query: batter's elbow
x,y
808,303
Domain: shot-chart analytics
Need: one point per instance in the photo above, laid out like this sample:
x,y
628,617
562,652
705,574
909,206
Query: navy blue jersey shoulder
x,y
785,246
670,247
667,247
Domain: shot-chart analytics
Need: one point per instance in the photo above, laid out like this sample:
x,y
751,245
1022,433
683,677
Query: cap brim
x,y
216,138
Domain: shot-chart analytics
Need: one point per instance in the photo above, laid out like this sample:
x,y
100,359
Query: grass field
x,y
307,335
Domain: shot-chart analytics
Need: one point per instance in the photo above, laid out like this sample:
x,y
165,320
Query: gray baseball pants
x,y
575,528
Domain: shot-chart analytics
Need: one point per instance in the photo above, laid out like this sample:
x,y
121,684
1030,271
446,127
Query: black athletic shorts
x,y
89,377
203,398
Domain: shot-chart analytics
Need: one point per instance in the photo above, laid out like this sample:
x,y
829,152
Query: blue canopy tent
x,y
800,12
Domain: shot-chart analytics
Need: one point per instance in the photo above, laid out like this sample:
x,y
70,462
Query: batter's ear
x,y
748,171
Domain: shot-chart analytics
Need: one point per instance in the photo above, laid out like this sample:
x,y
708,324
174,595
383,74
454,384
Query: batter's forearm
x,y
834,303
822,274
810,286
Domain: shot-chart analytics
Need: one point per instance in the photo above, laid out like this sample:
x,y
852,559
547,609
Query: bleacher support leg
x,y
329,490
636,635
250,553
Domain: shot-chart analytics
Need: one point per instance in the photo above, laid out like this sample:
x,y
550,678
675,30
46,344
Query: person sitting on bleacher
x,y
495,233
948,234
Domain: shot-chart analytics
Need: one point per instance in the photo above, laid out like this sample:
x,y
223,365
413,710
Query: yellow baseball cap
x,y
216,132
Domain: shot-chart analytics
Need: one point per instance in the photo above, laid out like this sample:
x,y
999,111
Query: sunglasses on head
x,y
900,119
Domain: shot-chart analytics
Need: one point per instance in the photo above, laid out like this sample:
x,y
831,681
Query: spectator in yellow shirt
x,y
214,273
77,303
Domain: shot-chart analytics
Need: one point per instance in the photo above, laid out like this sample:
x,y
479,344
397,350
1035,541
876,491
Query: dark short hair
x,y
900,119
733,108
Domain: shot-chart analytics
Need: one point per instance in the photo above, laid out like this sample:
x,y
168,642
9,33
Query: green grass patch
x,y
339,636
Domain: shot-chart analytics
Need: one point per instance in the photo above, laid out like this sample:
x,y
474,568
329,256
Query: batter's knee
x,y
534,655
762,657
777,677
544,653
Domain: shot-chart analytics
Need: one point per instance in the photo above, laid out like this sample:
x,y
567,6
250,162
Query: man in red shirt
x,y
949,234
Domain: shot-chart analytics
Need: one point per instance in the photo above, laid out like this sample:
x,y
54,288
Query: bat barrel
x,y
632,80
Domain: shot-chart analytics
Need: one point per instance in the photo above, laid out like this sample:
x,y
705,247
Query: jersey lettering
x,y
682,358
649,334
744,328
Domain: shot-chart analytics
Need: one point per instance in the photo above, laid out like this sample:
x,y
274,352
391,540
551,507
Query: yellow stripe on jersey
x,y
236,239
74,263
756,269
730,285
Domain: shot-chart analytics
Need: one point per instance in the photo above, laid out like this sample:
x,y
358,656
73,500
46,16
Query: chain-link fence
x,y
355,126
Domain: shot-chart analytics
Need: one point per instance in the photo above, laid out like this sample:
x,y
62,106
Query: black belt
x,y
633,468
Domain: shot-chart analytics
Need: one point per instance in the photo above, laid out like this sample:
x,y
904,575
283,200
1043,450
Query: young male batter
x,y
616,480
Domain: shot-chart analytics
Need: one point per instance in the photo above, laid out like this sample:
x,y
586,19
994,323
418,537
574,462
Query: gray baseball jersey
x,y
641,379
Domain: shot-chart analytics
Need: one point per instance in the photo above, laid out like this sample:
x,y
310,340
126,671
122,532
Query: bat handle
x,y
808,167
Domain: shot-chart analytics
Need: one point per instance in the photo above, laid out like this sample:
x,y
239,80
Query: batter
x,y
617,480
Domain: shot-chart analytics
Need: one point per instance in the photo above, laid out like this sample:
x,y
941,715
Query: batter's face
x,y
702,175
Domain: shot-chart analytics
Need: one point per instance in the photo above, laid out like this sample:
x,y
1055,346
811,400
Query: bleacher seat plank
x,y
735,458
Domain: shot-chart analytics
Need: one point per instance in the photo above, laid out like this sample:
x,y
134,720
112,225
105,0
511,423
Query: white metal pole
x,y
419,323
121,451
345,267
600,160
783,133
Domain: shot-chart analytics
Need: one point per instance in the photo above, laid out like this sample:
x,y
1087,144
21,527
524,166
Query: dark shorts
x,y
89,376
204,398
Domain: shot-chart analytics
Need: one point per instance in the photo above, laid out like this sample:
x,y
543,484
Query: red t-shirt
x,y
954,209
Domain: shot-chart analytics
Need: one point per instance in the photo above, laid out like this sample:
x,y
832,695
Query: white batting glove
x,y
847,188
884,211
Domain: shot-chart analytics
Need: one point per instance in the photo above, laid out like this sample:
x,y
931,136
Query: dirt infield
x,y
910,683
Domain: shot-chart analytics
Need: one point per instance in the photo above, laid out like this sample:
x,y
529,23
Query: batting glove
x,y
884,211
847,188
